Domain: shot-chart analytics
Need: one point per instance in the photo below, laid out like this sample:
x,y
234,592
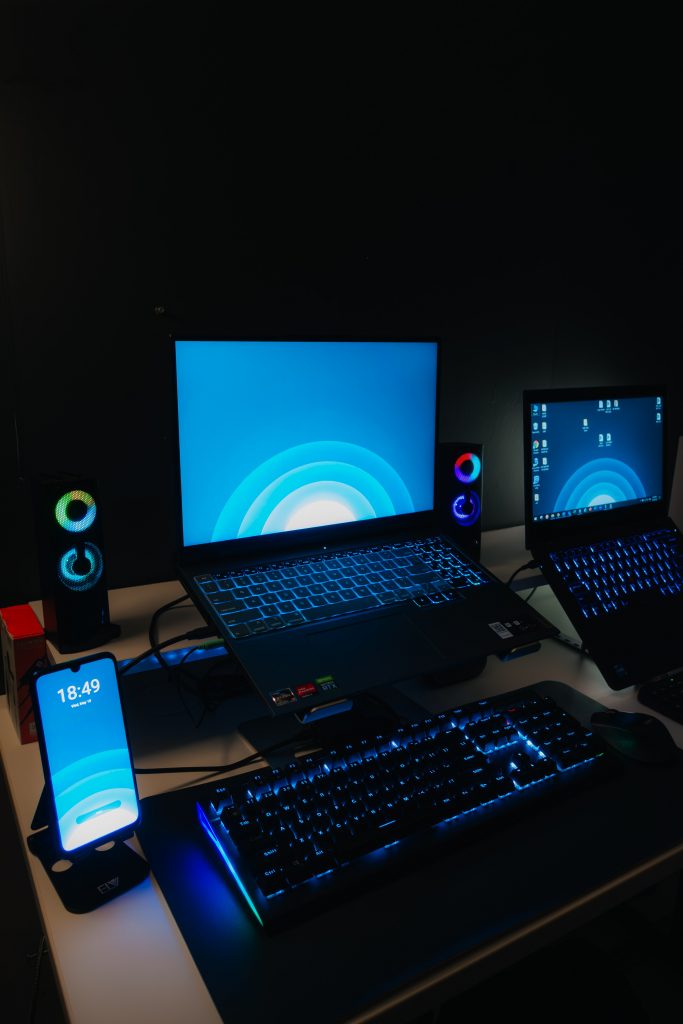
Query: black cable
x,y
201,633
42,947
216,768
562,638
159,612
533,564
152,632
175,672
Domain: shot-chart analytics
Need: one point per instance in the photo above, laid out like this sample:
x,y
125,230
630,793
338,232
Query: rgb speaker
x,y
71,563
458,491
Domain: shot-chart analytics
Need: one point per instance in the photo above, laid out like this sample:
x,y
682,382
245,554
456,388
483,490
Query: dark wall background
x,y
509,184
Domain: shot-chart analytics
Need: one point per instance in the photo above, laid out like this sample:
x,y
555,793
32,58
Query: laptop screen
x,y
277,436
591,453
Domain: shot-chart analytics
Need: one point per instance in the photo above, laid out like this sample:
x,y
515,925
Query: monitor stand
x,y
379,709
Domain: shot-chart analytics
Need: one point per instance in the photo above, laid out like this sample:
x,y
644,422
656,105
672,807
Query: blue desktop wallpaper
x,y
595,454
277,436
88,753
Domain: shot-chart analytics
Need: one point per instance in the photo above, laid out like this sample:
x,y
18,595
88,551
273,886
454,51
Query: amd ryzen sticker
x,y
500,629
306,690
280,697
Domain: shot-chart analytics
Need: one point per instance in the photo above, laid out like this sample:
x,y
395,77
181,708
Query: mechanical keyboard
x,y
609,575
298,837
260,599
664,694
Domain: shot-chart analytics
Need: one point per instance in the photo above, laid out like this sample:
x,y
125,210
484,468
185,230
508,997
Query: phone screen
x,y
85,752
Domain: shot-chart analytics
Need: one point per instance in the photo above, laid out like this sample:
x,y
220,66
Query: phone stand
x,y
88,879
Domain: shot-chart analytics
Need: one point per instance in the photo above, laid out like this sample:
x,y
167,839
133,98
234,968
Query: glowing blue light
x,y
79,581
460,507
463,475
600,482
321,512
307,481
184,654
211,834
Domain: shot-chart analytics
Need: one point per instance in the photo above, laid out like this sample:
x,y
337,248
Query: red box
x,y
24,649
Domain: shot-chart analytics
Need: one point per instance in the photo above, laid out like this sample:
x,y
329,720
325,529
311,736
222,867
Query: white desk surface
x,y
127,961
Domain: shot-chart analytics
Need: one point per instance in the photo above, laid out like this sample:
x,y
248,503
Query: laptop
x,y
596,522
310,538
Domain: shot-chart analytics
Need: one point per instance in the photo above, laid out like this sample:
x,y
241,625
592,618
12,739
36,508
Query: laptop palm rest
x,y
363,654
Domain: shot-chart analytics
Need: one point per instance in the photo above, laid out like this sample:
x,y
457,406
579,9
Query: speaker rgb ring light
x,y
462,475
466,508
75,579
75,511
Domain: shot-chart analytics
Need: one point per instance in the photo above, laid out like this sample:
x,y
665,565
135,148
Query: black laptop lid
x,y
594,462
291,444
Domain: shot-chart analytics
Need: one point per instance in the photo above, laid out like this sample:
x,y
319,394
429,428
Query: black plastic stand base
x,y
90,879
102,636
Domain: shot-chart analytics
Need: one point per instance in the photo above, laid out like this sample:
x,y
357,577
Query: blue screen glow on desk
x,y
278,436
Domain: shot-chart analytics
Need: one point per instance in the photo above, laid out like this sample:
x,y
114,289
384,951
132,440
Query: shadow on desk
x,y
621,967
629,955
20,935
560,866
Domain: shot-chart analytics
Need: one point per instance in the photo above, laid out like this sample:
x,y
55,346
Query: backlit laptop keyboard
x,y
612,574
273,596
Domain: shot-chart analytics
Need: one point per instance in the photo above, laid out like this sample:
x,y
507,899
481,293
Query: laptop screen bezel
x,y
313,538
546,533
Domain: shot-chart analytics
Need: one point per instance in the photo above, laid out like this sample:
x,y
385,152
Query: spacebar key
x,y
328,611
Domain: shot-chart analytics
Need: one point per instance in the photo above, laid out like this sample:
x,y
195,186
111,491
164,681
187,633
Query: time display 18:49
x,y
89,687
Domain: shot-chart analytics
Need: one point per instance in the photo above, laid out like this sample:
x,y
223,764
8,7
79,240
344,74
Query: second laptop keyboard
x,y
612,574
297,836
260,599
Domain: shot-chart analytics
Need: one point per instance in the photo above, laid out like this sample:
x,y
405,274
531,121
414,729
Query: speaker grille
x,y
459,482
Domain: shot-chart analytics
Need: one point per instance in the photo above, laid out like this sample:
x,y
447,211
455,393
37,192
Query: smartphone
x,y
89,778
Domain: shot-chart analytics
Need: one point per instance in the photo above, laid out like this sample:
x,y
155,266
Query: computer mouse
x,y
635,734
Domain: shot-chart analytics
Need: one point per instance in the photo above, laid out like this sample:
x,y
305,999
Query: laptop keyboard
x,y
283,595
298,836
610,575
